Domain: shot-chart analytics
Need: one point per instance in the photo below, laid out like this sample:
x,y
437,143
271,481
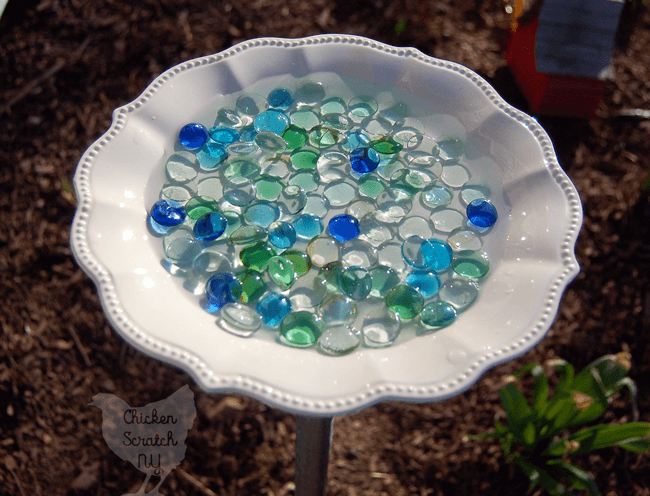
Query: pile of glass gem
x,y
294,214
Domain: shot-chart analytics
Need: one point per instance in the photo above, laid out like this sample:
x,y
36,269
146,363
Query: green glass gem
x,y
331,272
300,329
371,186
300,260
198,206
304,158
386,145
282,272
383,280
294,136
472,264
247,235
257,256
323,136
253,285
438,314
268,187
356,283
410,181
405,301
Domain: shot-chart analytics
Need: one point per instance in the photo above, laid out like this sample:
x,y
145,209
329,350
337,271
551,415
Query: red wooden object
x,y
549,94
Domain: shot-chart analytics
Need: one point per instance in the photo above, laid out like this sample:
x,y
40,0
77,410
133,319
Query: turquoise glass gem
x,y
343,227
364,160
301,329
253,285
273,308
261,214
482,213
282,235
224,135
167,214
257,256
193,136
438,314
211,155
439,253
355,282
427,283
271,120
308,226
280,98
405,302
222,288
210,226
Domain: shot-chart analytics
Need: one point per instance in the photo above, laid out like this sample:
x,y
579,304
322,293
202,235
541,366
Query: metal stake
x,y
313,441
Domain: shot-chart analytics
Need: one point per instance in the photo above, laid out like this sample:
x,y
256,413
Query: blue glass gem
x,y
224,135
308,226
193,136
344,227
271,120
439,253
210,226
157,229
282,235
482,213
273,307
280,98
427,283
167,214
222,288
364,160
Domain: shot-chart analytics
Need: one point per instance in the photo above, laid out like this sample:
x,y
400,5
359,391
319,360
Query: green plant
x,y
536,435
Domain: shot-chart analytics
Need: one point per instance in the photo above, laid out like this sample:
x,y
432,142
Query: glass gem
x,y
242,149
292,199
211,187
262,214
180,247
472,264
308,226
193,136
355,282
447,219
434,196
438,314
270,142
386,145
229,118
469,193
305,119
156,229
426,283
343,227
375,232
482,213
199,206
248,134
250,105
354,140
301,329
461,293
271,120
280,98
376,126
339,122
268,188
222,288
323,136
387,168
239,191
210,226
282,235
248,235
404,301
257,256
240,320
338,340
340,193
224,135
167,214
393,206
410,181
309,93
209,262
396,113
242,167
295,137
333,105
451,147
383,280
316,205
308,292
252,285
362,106
361,208
281,271
308,180
359,253
380,328
364,160
276,167
439,253
234,222
371,186
176,193
300,260
331,273
181,167
337,309
414,255
273,308
390,254
332,166
464,239
427,162
304,158
415,226
454,175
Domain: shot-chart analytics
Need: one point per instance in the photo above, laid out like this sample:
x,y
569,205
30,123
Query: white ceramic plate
x,y
531,247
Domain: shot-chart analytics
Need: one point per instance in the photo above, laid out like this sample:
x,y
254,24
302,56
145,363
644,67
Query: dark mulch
x,y
65,64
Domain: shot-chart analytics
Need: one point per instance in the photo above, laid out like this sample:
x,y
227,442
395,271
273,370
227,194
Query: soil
x,y
66,64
